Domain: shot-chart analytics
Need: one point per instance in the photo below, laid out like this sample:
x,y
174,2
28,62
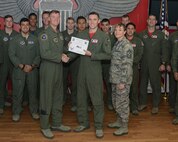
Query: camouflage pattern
x,y
172,83
121,72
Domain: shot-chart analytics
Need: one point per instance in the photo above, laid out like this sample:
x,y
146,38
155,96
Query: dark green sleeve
x,y
12,53
1,49
139,52
105,53
46,52
36,60
174,60
165,53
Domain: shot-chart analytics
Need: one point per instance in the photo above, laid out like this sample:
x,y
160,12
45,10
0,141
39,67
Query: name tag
x,y
94,41
30,42
154,36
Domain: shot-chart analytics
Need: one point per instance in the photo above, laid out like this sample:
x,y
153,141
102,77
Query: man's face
x,y
125,20
105,27
8,22
93,21
33,21
119,32
54,19
151,21
81,25
70,24
45,19
130,30
25,27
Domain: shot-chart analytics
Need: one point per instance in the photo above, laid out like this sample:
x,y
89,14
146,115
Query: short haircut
x,y
81,17
54,11
45,12
152,15
24,20
125,16
121,25
8,16
94,13
105,20
70,18
131,23
32,14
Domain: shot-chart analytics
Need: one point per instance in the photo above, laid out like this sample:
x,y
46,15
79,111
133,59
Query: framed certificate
x,y
78,45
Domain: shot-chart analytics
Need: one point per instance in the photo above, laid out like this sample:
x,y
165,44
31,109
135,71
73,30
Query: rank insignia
x,y
44,37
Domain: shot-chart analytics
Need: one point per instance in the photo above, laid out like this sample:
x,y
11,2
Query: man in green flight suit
x,y
6,68
173,94
90,75
105,27
138,51
51,77
173,38
155,57
70,68
24,54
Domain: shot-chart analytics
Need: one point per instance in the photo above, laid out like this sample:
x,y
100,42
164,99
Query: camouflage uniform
x,y
121,72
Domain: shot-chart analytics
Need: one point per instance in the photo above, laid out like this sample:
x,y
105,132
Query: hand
x,y
65,58
162,68
87,53
121,86
176,76
27,68
168,68
20,66
69,44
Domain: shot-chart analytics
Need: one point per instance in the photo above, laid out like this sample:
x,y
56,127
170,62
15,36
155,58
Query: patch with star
x,y
44,37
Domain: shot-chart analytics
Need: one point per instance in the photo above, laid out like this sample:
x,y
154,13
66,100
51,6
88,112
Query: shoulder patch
x,y
44,37
129,54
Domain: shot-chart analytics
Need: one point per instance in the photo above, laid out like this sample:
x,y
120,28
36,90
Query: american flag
x,y
164,16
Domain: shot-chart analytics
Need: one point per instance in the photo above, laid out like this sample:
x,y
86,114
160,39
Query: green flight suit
x,y
6,67
172,83
90,78
70,68
51,77
174,62
105,72
138,51
155,53
24,51
1,49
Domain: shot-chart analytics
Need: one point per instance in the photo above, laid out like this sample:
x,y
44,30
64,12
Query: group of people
x,y
40,66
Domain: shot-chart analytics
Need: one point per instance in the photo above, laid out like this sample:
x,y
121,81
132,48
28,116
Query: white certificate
x,y
78,45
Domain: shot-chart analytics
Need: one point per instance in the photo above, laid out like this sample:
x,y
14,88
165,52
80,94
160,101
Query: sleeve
x,y
105,53
36,61
139,52
127,62
174,59
165,53
12,53
46,52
